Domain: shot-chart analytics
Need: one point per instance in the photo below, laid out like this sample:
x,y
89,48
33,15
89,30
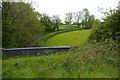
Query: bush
x,y
98,60
110,28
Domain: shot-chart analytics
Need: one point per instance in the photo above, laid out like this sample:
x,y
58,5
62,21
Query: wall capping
x,y
34,51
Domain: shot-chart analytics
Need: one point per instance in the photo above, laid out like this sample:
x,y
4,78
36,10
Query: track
x,y
34,42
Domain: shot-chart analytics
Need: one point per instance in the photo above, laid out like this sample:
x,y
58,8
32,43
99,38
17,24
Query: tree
x,y
68,18
107,30
19,24
106,12
78,17
91,20
86,15
56,20
46,21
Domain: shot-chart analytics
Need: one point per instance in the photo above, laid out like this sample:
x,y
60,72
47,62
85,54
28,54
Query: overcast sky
x,y
61,7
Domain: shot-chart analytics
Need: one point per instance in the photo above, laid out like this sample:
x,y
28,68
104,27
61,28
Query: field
x,y
68,38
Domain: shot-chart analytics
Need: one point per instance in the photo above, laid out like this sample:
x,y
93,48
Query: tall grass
x,y
98,60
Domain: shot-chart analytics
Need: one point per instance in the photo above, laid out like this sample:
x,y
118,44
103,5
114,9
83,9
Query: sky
x,y
61,7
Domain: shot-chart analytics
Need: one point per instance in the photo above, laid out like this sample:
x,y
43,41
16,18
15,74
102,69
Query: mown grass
x,y
89,60
68,38
41,43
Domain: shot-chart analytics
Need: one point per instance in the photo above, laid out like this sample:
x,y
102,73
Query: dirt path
x,y
34,42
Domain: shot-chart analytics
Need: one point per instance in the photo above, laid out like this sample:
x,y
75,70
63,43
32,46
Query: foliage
x,y
56,20
19,24
80,18
45,20
99,60
109,29
50,23
68,18
88,19
106,12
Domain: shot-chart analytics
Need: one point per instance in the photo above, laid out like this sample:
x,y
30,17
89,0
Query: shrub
x,y
110,28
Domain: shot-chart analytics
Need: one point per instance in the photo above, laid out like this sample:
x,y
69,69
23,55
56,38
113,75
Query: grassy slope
x,y
68,38
43,40
86,61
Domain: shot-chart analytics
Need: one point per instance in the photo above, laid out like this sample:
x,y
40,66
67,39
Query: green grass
x,y
43,40
68,38
67,26
86,61
29,40
62,27
37,36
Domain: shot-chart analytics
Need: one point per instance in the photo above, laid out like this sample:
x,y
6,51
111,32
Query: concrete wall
x,y
34,51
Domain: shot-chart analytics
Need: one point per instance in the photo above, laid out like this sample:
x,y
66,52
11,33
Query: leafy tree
x,y
56,20
68,18
106,12
78,17
91,20
46,21
108,29
19,24
86,15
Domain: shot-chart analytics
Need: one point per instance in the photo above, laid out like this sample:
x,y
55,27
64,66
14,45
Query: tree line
x,y
81,18
20,23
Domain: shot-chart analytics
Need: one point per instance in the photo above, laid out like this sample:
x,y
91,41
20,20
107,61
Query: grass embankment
x,y
89,60
42,42
68,38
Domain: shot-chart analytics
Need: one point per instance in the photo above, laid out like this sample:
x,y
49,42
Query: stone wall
x,y
34,51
